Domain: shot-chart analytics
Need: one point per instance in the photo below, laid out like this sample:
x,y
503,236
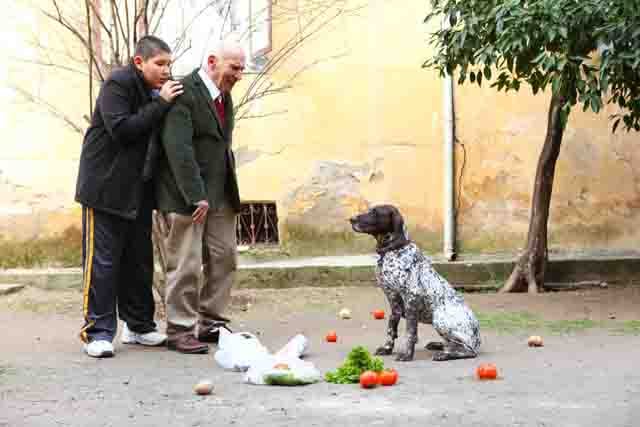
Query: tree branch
x,y
90,40
35,99
118,22
60,19
48,64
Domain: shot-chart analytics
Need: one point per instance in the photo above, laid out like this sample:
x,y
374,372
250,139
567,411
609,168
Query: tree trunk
x,y
528,273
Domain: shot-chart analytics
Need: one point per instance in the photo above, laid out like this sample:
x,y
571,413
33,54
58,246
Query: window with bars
x,y
257,224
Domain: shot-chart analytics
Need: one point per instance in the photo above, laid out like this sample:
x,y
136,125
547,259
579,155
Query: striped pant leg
x,y
103,236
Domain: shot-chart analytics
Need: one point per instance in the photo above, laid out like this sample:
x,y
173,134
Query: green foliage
x,y
583,50
512,322
358,361
509,322
630,327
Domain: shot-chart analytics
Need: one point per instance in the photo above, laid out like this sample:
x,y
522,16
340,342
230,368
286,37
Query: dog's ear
x,y
397,222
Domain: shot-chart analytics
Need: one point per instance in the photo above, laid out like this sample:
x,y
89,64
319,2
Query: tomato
x,y
378,314
368,379
388,377
332,336
487,371
283,366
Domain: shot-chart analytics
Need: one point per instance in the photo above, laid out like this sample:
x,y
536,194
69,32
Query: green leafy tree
x,y
585,52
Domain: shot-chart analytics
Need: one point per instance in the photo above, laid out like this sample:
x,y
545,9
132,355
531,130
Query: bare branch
x,y
126,17
118,20
146,16
313,64
289,47
163,9
90,40
182,37
140,14
98,16
96,35
150,14
246,115
48,64
270,90
116,57
35,99
179,55
227,15
60,19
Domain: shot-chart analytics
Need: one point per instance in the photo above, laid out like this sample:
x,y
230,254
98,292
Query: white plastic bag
x,y
296,347
238,351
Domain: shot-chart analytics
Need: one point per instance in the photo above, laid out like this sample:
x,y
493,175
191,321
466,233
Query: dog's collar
x,y
381,239
389,242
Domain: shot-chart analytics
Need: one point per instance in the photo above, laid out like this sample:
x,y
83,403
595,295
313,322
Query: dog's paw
x,y
434,346
405,356
440,356
385,350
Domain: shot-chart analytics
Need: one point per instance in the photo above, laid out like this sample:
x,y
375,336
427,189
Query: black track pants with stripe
x,y
117,261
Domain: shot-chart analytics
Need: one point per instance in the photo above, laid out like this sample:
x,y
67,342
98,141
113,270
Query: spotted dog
x,y
416,291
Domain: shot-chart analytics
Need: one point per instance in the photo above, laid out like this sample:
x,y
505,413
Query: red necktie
x,y
220,108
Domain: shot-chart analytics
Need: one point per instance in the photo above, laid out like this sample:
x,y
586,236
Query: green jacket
x,y
197,162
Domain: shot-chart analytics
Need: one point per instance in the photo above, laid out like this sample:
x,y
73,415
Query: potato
x,y
204,387
345,313
535,341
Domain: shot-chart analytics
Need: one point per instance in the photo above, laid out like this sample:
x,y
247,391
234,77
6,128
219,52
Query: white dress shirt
x,y
211,86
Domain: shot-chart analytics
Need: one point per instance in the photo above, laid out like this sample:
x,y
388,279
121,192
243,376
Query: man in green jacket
x,y
197,194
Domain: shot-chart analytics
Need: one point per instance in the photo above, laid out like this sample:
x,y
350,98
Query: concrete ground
x,y
585,375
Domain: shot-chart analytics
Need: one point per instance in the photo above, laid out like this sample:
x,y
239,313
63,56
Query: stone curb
x,y
471,275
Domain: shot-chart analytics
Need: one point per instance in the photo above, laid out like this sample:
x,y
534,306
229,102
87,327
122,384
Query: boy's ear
x,y
137,61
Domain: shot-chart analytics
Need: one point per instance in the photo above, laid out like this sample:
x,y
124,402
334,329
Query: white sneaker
x,y
153,338
99,348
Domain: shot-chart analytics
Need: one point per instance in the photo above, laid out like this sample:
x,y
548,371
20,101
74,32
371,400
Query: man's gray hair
x,y
220,48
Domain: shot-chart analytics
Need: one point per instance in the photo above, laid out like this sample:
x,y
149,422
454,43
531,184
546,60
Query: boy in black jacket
x,y
116,194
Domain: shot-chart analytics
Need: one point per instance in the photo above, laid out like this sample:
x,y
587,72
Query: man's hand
x,y
200,214
170,90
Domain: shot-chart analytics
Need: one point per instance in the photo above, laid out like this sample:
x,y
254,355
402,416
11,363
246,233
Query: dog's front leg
x,y
395,301
411,317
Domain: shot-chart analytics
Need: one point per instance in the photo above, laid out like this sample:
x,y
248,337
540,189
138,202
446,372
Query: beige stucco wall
x,y
38,160
362,127
369,118
595,196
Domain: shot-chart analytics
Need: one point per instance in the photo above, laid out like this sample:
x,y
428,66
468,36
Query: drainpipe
x,y
449,237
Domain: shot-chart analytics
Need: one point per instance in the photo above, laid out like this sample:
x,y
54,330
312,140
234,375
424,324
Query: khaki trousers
x,y
209,248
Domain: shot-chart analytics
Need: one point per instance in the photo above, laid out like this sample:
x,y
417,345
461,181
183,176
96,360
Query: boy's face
x,y
156,70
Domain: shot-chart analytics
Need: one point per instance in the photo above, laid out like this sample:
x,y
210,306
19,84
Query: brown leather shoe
x,y
187,344
211,332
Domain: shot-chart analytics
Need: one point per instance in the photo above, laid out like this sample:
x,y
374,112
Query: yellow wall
x,y
371,108
361,128
595,193
38,160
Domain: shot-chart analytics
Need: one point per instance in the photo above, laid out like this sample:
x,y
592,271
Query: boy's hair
x,y
149,46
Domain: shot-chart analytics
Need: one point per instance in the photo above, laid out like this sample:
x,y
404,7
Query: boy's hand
x,y
170,90
200,214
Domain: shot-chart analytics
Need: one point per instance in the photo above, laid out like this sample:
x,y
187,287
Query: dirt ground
x,y
585,375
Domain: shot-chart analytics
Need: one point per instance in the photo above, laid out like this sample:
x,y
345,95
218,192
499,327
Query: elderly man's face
x,y
227,70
